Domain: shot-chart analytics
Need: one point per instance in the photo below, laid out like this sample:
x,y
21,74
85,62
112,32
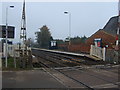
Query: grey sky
x,y
86,17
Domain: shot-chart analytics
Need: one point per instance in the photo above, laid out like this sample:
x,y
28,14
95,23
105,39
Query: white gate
x,y
98,52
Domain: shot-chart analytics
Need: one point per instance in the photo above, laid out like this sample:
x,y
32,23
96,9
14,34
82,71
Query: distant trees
x,y
83,39
59,41
43,37
32,43
77,39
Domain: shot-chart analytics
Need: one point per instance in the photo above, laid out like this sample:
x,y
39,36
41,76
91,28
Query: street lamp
x,y
66,12
6,55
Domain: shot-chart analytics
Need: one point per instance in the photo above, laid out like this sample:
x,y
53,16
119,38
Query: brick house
x,y
107,34
107,39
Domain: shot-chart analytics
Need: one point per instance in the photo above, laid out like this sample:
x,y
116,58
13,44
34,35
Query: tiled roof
x,y
111,26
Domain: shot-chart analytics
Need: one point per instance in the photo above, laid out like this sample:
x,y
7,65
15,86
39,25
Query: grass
x,y
11,65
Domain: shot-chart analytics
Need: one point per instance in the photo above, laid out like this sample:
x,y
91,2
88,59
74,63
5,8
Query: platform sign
x,y
53,45
98,42
11,31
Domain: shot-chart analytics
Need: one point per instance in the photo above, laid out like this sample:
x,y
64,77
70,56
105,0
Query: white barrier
x,y
98,52
13,50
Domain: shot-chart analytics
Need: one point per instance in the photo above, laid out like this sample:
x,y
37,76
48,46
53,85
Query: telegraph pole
x,y
118,32
117,48
118,29
23,38
23,26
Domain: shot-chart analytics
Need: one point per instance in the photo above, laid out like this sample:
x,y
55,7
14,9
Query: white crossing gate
x,y
98,52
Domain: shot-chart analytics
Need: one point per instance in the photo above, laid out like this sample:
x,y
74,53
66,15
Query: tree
x,y
32,43
77,39
43,37
59,41
83,39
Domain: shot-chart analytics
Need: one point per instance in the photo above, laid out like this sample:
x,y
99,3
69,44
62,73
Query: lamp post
x,y
6,55
66,12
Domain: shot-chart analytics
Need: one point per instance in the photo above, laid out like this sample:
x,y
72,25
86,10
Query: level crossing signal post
x,y
25,57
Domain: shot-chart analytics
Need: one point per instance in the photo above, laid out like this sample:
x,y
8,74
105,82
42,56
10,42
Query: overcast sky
x,y
86,17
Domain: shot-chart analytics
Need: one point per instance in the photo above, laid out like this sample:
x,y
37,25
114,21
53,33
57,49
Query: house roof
x,y
102,30
106,37
111,26
99,35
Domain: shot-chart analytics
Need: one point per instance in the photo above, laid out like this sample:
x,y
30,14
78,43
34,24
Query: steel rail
x,y
58,57
46,66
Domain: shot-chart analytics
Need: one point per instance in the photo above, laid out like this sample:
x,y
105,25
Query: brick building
x,y
108,40
107,35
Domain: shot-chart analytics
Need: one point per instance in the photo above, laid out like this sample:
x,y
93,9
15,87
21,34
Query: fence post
x,y
0,61
91,50
104,53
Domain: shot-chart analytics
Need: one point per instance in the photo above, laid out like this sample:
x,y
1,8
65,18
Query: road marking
x,y
110,85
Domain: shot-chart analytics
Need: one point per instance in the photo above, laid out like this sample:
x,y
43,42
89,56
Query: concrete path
x,y
29,79
94,77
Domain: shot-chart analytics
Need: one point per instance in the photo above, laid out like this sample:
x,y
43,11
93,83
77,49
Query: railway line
x,y
51,71
65,59
77,70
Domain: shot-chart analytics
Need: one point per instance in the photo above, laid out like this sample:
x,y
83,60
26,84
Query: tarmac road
x,y
95,78
29,79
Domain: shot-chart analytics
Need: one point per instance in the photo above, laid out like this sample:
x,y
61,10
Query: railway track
x,y
51,62
51,71
65,60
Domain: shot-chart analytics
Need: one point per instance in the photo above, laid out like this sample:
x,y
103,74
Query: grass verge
x,y
11,65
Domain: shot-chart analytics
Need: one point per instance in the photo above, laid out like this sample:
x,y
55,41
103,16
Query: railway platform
x,y
70,53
